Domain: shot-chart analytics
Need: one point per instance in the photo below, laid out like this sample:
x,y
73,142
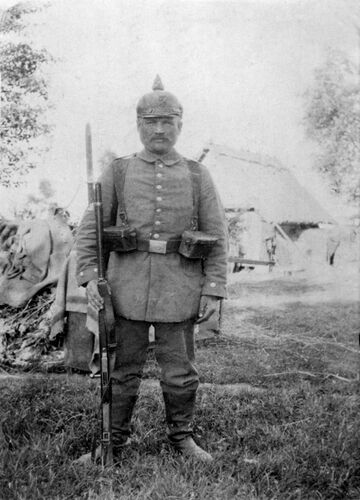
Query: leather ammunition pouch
x,y
120,239
196,244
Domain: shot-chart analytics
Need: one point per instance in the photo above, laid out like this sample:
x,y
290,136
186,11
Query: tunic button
x,y
157,223
160,165
213,285
156,236
159,186
158,198
158,210
159,175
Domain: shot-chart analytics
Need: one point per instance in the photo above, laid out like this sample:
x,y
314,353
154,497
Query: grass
x,y
320,338
297,438
299,443
276,286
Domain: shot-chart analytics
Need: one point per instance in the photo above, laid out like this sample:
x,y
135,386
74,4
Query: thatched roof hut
x,y
244,179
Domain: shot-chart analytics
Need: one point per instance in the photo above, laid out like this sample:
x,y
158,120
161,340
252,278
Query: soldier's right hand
x,y
93,295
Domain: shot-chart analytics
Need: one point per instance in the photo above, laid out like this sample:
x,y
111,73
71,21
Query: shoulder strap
x,y
120,166
195,174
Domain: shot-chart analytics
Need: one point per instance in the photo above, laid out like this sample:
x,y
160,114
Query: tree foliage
x,y
332,120
24,95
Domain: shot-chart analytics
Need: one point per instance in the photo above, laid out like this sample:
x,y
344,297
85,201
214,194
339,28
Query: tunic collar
x,y
169,159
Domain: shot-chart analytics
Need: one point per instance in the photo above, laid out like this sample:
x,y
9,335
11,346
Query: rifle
x,y
107,341
89,164
106,321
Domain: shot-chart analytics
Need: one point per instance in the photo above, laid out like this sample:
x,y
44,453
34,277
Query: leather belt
x,y
158,246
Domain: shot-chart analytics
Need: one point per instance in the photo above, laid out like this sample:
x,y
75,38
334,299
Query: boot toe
x,y
188,448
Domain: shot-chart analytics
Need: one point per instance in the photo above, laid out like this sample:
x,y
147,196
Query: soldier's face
x,y
159,133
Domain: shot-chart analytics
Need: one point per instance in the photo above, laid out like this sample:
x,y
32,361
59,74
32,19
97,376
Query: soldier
x,y
161,195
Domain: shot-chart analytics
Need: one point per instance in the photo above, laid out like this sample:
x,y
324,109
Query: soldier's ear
x,y
180,123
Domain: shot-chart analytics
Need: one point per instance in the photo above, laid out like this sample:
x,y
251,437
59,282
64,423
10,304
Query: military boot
x,y
122,409
121,413
179,408
189,448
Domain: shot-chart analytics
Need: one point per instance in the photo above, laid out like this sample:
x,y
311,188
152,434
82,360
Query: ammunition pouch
x,y
196,244
120,239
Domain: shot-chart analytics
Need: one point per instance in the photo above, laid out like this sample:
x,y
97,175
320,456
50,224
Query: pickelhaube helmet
x,y
159,102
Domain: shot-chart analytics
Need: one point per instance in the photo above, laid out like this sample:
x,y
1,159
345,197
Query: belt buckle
x,y
157,246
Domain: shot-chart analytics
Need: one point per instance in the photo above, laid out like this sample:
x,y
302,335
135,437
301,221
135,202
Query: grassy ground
x,y
289,429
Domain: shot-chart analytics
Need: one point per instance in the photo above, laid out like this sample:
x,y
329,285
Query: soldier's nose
x,y
159,129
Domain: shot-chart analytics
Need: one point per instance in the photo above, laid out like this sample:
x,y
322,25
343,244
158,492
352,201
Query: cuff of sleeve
x,y
215,289
84,277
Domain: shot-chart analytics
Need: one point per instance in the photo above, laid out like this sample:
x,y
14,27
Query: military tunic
x,y
158,197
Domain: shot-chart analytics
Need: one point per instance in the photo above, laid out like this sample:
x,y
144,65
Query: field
x,y
278,408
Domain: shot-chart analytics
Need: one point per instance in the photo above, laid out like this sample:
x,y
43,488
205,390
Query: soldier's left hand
x,y
208,304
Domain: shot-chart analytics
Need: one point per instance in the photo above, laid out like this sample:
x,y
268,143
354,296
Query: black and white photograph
x,y
179,250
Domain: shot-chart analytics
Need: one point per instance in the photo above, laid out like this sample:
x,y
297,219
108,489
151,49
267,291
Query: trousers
x,y
175,353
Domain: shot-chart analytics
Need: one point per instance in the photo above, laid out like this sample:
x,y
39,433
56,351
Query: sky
x,y
240,69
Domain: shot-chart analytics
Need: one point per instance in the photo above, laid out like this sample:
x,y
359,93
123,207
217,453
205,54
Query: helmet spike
x,y
157,85
159,102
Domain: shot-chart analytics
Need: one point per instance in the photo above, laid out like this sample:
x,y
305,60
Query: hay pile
x,y
25,341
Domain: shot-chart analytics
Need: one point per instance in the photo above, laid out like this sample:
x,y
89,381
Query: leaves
x,y
19,62
332,120
11,19
25,332
24,98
